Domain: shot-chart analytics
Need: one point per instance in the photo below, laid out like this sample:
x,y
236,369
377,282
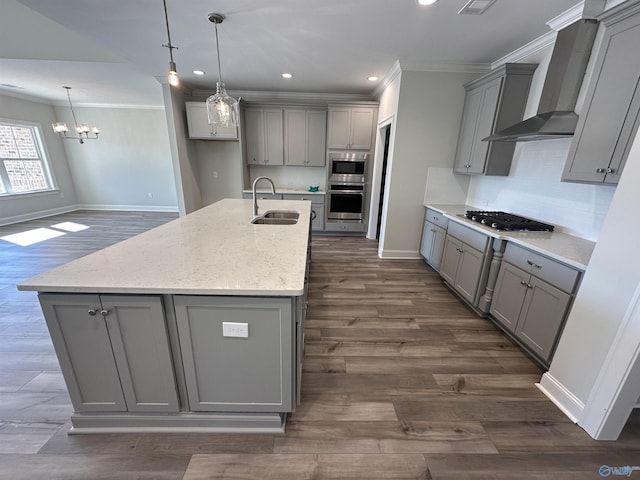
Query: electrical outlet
x,y
150,195
215,174
233,329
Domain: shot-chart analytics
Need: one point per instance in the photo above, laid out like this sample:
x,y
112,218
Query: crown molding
x,y
24,96
445,67
567,17
288,97
387,80
525,51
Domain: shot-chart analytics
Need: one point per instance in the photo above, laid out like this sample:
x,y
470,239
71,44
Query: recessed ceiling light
x,y
426,2
372,78
286,75
198,72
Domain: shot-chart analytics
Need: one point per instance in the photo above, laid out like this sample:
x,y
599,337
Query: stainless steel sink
x,y
277,217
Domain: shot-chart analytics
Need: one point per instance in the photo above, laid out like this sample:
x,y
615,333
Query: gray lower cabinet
x,y
434,234
252,373
113,351
492,102
464,263
610,116
532,298
317,208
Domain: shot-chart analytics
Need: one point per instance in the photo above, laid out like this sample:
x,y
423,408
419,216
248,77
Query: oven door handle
x,y
352,192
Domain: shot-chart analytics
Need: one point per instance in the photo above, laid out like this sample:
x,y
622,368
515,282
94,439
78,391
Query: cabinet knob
x,y
104,313
91,312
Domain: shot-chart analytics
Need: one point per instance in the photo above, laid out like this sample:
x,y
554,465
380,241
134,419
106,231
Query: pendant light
x,y
221,108
84,132
173,72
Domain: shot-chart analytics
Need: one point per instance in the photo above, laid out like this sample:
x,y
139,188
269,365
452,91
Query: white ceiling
x,y
110,51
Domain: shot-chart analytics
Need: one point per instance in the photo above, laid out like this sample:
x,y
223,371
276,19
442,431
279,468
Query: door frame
x,y
376,180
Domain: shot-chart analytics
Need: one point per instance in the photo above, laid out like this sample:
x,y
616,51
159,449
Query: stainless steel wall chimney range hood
x,y
556,117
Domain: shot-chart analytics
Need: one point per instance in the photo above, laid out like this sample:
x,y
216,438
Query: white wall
x,y
533,188
427,122
129,166
23,207
219,169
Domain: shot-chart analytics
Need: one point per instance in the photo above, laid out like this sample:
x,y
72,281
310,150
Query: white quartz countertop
x,y
213,251
286,191
569,249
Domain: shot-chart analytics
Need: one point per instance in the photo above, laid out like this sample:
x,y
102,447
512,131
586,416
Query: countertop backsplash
x,y
533,189
290,177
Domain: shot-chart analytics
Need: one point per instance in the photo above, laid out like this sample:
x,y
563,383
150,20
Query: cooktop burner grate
x,y
507,221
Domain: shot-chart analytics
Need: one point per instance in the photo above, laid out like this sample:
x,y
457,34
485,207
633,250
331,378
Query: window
x,y
23,166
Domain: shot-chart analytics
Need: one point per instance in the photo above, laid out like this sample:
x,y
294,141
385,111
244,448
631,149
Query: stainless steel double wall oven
x,y
346,190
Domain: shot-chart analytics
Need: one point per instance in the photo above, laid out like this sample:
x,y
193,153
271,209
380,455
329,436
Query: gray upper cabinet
x,y
351,127
532,297
237,374
493,102
305,132
199,128
113,352
609,118
264,136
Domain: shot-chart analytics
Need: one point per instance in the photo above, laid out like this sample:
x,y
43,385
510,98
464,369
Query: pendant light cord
x,y
218,51
168,45
75,120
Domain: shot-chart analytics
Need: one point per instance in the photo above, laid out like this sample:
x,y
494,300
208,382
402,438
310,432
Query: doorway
x,y
386,133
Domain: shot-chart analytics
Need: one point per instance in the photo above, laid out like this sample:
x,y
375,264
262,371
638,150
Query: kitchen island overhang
x,y
196,325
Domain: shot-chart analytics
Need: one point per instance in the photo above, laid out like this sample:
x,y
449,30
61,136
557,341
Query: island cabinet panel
x,y
237,374
113,351
610,116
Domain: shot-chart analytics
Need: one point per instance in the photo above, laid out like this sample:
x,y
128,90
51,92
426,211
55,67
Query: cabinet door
x,y
225,373
437,247
486,119
361,128
254,136
432,246
469,271
199,128
295,135
542,315
470,114
510,290
316,138
608,121
140,344
81,340
339,128
274,136
317,214
450,259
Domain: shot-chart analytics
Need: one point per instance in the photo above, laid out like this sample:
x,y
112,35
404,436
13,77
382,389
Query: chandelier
x,y
221,108
173,72
83,131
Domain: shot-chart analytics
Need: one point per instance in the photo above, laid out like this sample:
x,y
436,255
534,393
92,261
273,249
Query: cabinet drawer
x,y
469,236
555,273
436,217
314,198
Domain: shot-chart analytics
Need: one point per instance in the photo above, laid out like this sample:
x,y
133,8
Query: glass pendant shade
x,y
221,108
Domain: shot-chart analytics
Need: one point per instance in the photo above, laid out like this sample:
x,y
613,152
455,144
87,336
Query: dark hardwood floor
x,y
401,381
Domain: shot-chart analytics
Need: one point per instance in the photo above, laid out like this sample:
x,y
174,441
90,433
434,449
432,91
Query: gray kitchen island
x,y
196,325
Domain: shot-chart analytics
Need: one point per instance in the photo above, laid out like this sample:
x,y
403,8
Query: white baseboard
x,y
560,395
400,255
39,214
128,208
